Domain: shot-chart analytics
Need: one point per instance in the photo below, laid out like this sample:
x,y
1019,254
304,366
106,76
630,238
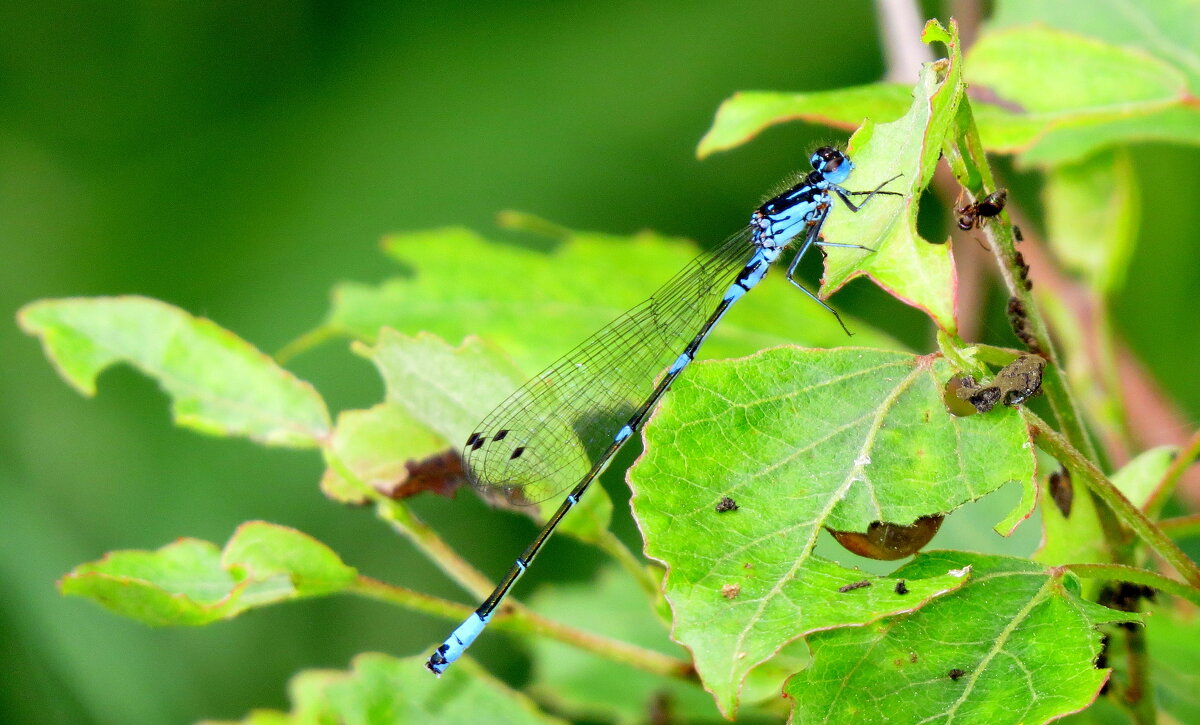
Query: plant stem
x,y
1139,696
1185,458
1120,572
968,161
304,343
643,575
405,522
1181,527
523,621
410,526
1058,446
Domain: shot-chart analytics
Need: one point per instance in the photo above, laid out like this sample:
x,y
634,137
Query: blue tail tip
x,y
438,663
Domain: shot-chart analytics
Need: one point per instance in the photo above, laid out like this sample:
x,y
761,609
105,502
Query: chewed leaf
x,y
218,383
1015,644
800,440
449,390
907,266
383,689
192,583
388,450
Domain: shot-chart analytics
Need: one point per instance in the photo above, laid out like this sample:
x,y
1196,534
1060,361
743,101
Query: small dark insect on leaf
x,y
975,214
955,673
1021,379
854,585
726,504
1023,270
901,587
1019,319
1102,658
1016,382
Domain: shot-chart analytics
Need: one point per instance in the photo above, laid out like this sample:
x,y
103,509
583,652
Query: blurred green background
x,y
238,159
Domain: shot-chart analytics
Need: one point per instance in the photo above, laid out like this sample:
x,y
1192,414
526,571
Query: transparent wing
x,y
546,436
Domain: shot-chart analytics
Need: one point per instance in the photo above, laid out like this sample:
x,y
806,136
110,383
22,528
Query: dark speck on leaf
x,y
854,585
726,504
1061,491
955,673
901,587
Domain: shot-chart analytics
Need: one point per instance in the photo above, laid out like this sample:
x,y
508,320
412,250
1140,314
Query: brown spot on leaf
x,y
887,541
441,474
1061,491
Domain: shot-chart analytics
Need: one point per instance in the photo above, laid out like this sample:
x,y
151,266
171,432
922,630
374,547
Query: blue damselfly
x,y
564,426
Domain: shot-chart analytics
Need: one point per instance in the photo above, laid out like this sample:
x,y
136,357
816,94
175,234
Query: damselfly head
x,y
834,165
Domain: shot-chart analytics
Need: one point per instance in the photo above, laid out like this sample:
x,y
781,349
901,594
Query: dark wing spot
x,y
517,453
474,437
500,435
478,443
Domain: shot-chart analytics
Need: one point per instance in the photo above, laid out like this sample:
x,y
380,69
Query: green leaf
x,y
1092,217
191,583
1075,141
1073,533
219,383
907,266
1166,29
1016,644
1057,92
537,305
587,687
747,113
449,390
1090,76
1139,478
390,451
1173,640
802,439
383,689
410,443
